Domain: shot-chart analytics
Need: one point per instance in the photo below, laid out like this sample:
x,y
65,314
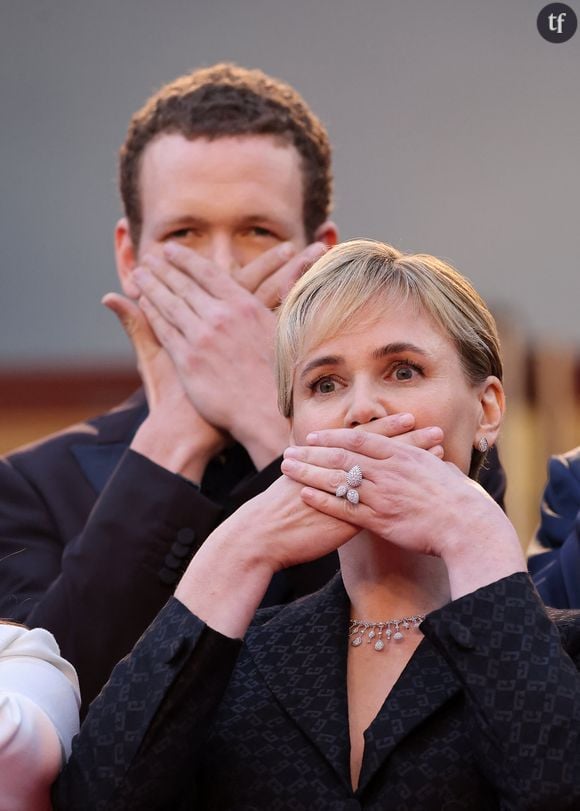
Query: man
x,y
554,561
225,174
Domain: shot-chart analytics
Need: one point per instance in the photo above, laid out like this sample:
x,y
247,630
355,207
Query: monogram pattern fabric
x,y
485,716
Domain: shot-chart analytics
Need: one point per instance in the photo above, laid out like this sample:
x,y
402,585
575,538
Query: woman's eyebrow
x,y
396,349
389,349
325,360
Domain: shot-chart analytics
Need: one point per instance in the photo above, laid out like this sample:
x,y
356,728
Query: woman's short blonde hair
x,y
355,275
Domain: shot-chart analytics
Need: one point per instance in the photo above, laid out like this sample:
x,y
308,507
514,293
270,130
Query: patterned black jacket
x,y
486,714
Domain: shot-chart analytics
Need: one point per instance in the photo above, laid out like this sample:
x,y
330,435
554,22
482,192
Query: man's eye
x,y
260,231
181,233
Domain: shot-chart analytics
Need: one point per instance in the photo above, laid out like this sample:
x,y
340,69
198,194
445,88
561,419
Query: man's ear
x,y
327,233
492,408
125,258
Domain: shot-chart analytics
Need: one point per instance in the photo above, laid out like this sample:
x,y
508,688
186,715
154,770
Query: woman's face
x,y
392,362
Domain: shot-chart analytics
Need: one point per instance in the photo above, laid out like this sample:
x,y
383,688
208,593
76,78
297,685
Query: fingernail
x,y
288,464
317,249
406,420
139,274
312,437
293,452
435,433
286,250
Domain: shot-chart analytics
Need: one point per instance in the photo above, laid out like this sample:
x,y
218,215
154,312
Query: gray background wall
x,y
456,131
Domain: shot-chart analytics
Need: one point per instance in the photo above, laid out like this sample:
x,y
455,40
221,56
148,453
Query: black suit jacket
x,y
94,537
485,715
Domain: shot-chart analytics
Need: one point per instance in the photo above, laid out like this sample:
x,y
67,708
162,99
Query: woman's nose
x,y
364,407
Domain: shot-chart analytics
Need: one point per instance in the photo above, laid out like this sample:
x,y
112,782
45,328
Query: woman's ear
x,y
492,408
125,258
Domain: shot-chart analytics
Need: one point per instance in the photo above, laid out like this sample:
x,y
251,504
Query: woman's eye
x,y
406,371
324,386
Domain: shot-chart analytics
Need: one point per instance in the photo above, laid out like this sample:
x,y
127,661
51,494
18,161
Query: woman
x,y
426,675
39,714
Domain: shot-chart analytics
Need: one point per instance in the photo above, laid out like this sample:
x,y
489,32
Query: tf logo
x,y
557,22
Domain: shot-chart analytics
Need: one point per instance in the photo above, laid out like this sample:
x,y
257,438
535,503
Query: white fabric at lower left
x,y
39,701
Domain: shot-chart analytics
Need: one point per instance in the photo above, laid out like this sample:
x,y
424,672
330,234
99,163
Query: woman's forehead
x,y
404,315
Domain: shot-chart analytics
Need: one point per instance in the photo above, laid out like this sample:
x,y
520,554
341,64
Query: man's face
x,y
229,199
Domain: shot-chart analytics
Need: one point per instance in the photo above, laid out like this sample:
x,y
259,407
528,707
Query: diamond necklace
x,y
381,631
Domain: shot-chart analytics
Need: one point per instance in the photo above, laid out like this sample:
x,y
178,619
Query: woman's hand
x,y
285,530
411,498
226,580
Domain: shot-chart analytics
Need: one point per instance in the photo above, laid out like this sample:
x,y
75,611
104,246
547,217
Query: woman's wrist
x,y
481,557
225,582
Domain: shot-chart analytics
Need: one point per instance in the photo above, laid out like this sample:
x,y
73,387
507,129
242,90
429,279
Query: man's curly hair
x,y
226,100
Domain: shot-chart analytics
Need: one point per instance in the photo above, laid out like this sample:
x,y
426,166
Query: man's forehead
x,y
257,175
174,146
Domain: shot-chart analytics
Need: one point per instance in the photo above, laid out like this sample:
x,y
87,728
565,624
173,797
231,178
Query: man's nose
x,y
222,252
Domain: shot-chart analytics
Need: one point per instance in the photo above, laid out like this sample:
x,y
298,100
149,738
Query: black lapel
x,y
113,433
426,684
301,654
98,461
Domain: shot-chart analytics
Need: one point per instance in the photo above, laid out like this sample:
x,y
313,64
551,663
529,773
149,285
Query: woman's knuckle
x,y
338,458
336,478
357,439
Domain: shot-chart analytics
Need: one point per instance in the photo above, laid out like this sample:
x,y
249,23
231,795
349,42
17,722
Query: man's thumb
x,y
126,311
